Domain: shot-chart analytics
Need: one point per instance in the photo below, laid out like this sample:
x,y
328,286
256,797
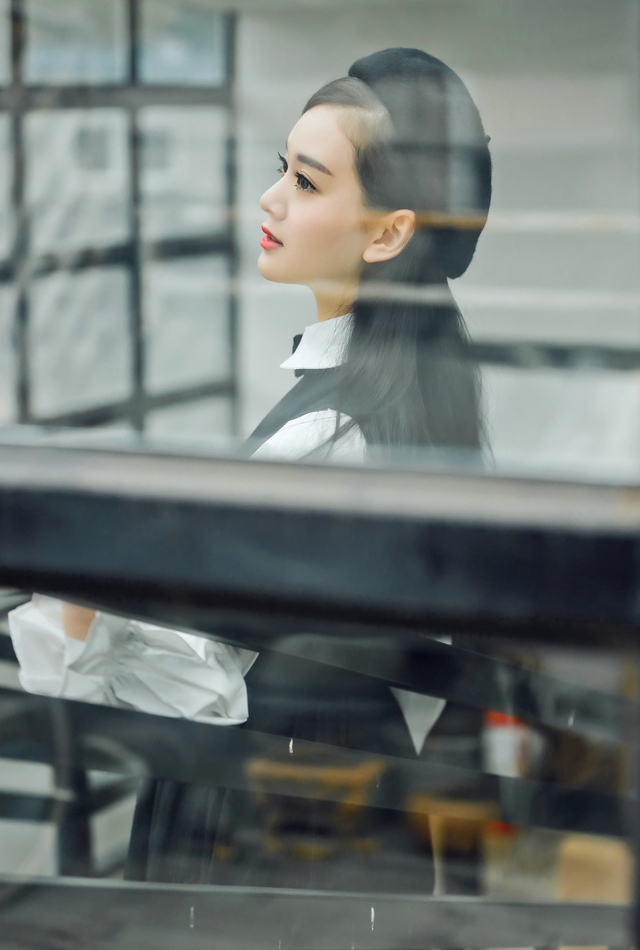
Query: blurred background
x,y
137,136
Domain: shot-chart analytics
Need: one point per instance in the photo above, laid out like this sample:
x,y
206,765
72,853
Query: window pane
x,y
79,343
554,419
75,41
186,322
565,196
203,420
182,42
6,222
183,171
77,179
7,355
5,48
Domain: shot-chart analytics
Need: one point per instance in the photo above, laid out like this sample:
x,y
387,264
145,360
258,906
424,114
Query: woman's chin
x,y
263,265
270,271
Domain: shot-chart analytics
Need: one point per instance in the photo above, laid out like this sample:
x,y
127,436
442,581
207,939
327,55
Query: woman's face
x,y
317,226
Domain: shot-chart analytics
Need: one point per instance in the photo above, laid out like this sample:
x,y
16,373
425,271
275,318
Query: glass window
x,y
555,419
6,178
5,44
565,197
201,421
77,179
554,273
78,340
183,181
187,337
75,41
390,742
182,43
8,363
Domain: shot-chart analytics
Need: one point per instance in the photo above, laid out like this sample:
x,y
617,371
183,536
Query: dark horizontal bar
x,y
115,96
116,916
73,735
462,676
73,261
269,548
472,679
534,355
121,255
101,415
179,247
18,806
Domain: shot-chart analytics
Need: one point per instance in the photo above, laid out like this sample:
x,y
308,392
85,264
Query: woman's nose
x,y
272,201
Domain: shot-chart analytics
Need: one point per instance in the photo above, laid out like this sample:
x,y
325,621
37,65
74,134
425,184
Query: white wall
x,y
557,88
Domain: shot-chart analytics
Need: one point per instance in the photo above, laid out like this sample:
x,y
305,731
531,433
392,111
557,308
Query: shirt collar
x,y
322,345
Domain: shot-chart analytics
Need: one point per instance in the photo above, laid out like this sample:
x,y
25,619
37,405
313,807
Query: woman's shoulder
x,y
316,431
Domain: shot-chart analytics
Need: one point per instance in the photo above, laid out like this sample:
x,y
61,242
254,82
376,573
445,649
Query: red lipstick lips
x,y
268,242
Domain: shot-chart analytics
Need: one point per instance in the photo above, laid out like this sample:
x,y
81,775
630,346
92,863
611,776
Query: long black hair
x,y
419,144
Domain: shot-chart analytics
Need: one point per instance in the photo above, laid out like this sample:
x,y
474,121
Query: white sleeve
x,y
130,664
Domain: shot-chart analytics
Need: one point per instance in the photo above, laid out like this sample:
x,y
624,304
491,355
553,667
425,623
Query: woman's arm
x,y
71,651
76,620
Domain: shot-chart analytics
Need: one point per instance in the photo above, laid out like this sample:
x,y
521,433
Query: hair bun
x,y
438,135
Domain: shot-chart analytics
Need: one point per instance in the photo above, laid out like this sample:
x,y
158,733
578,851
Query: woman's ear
x,y
390,236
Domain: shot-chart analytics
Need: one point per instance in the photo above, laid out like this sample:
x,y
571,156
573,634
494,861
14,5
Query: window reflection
x,y
77,179
183,181
182,43
562,421
75,41
198,422
73,201
187,327
78,339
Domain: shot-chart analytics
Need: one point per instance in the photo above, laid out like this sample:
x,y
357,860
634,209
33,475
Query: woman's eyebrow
x,y
306,160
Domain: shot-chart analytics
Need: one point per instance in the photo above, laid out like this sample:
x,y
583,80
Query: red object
x,y
492,718
500,829
493,723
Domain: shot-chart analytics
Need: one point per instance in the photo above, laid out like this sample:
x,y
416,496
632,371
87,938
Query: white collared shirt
x,y
322,347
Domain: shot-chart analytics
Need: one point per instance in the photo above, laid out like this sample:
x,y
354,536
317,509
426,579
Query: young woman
x,y
384,188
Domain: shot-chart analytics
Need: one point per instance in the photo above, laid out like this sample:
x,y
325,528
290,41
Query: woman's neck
x,y
331,305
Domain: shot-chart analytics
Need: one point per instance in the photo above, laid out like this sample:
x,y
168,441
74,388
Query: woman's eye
x,y
303,183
